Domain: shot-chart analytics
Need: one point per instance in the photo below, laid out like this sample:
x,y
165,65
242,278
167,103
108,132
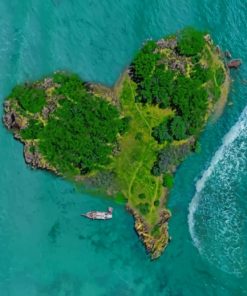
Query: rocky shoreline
x,y
14,122
155,245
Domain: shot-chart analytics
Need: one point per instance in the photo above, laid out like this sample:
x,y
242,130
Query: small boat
x,y
96,215
234,63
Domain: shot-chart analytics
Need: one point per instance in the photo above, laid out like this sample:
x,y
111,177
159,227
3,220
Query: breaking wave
x,y
217,220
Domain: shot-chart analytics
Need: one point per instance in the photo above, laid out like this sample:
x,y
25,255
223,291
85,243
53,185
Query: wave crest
x,y
215,217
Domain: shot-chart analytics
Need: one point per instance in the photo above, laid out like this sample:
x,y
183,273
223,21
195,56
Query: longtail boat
x,y
96,215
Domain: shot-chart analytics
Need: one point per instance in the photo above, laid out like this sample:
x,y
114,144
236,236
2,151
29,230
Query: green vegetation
x,y
79,135
169,80
191,103
120,198
168,180
161,133
178,128
173,128
30,99
171,155
145,61
132,165
144,208
191,42
129,139
220,76
33,130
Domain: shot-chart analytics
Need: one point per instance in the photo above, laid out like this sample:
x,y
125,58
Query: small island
x,y
125,141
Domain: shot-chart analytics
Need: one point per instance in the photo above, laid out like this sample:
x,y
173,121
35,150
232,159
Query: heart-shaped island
x,y
126,141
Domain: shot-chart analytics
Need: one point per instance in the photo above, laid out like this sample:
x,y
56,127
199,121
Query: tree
x,y
162,86
142,196
190,42
161,132
201,74
144,62
190,101
30,99
178,128
32,131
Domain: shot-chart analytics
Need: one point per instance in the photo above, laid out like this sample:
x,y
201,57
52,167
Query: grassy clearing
x,y
218,92
138,153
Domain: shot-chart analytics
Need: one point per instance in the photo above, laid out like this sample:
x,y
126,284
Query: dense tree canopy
x,y
190,42
81,132
173,84
161,133
144,62
190,101
178,128
30,99
154,82
33,130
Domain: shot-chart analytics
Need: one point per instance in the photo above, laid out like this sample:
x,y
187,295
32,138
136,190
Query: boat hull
x,y
96,215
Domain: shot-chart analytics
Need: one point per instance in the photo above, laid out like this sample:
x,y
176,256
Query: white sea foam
x,y
214,203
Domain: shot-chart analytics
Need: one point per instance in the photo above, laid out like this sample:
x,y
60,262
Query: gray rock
x,y
168,43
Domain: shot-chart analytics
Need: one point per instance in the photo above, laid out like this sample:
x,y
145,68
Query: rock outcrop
x,y
11,119
156,239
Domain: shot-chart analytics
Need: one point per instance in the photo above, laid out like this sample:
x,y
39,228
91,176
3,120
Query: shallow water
x,y
45,247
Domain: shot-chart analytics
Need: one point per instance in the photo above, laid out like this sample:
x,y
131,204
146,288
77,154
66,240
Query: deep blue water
x,y
46,249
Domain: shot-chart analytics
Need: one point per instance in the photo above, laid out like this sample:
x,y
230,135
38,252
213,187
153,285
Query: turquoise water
x,y
46,248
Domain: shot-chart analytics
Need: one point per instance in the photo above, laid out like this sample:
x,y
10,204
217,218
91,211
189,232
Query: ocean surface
x,y
46,248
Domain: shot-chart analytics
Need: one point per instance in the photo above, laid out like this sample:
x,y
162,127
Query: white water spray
x,y
226,158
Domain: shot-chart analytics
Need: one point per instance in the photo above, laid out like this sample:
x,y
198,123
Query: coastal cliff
x,y
129,140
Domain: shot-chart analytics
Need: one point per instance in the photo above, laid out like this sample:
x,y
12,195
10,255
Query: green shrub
x,y
120,198
149,47
219,76
124,126
142,196
156,171
156,203
202,74
168,180
156,231
216,92
144,208
161,132
190,42
32,149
